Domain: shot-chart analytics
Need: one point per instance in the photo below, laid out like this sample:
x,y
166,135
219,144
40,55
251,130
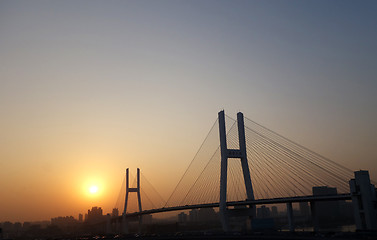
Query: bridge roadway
x,y
310,198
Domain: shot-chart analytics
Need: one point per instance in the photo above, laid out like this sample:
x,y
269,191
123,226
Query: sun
x,y
93,189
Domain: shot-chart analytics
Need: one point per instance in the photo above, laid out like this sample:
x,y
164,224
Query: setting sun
x,y
93,189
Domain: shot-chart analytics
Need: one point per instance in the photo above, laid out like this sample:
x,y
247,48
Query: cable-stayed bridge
x,y
243,164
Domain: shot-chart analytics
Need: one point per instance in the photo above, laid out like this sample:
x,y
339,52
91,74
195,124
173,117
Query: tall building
x,y
182,217
115,212
304,209
274,211
263,212
95,215
326,211
193,215
207,215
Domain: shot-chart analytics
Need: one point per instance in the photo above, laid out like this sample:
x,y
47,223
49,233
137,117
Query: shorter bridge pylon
x,y
129,190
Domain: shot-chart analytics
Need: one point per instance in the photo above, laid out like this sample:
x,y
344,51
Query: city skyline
x,y
88,89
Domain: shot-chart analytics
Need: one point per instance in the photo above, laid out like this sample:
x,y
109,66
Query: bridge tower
x,y
364,200
129,190
241,154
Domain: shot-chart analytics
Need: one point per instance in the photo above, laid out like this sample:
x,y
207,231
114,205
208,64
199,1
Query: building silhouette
x,y
263,212
207,215
95,215
193,215
304,209
64,222
115,212
274,211
182,217
326,211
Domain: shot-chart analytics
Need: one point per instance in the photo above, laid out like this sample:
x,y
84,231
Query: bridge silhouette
x,y
241,164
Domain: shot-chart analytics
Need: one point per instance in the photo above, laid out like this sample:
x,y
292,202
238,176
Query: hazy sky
x,y
89,88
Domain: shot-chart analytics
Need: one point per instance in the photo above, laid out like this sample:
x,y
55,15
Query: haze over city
x,y
90,88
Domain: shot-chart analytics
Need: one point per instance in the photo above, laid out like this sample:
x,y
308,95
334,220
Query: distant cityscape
x,y
330,215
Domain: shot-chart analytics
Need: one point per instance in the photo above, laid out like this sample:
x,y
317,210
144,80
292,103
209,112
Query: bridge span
x,y
309,198
252,166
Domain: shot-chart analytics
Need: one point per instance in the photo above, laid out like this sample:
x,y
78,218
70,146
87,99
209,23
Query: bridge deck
x,y
309,198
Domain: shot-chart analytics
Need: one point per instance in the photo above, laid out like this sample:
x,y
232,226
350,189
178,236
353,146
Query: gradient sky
x,y
89,88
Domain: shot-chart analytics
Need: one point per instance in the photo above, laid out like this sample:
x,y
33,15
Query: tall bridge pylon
x,y
241,154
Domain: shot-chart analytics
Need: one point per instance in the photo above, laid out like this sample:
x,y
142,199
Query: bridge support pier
x,y
314,216
116,226
124,224
108,224
364,200
290,217
241,154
